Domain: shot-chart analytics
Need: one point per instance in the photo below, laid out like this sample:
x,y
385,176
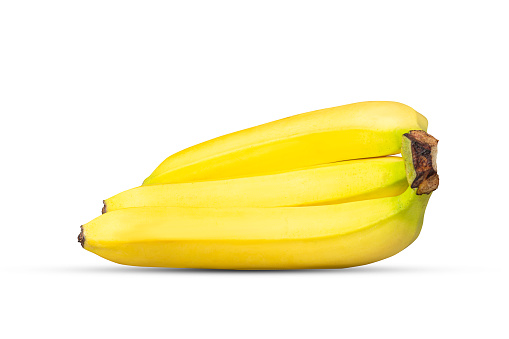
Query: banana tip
x,y
81,238
104,209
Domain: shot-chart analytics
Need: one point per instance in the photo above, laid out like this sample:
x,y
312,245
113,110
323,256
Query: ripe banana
x,y
290,213
361,130
334,183
331,236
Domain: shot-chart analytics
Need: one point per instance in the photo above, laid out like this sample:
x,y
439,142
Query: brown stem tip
x,y
104,210
81,238
423,148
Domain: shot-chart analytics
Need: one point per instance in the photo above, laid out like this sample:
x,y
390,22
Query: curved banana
x,y
319,185
332,236
361,130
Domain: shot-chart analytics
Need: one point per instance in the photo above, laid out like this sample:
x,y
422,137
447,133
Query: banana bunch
x,y
322,189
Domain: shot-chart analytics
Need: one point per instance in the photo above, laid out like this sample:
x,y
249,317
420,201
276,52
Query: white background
x,y
95,94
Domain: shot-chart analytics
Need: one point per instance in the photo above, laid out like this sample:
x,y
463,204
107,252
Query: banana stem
x,y
419,150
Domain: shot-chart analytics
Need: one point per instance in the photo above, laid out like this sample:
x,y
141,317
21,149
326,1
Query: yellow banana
x,y
361,130
331,236
334,183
